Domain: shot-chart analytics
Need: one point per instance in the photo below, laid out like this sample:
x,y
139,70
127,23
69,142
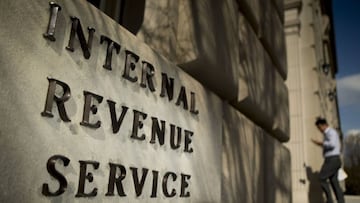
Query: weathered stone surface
x,y
256,167
252,10
159,27
273,37
201,39
278,172
253,79
27,139
279,6
281,126
243,159
216,42
262,93
168,27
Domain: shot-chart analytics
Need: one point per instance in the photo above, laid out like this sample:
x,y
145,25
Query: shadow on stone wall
x,y
277,171
214,43
315,191
200,36
242,158
256,167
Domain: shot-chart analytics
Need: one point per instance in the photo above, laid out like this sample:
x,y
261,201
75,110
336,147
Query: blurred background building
x,y
311,82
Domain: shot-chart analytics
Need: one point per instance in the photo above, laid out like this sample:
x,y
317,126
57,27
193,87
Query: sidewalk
x,y
352,199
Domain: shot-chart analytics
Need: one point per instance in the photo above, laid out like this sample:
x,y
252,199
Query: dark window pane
x,y
95,3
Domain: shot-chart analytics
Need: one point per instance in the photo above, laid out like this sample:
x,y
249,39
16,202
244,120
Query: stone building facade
x,y
89,113
311,82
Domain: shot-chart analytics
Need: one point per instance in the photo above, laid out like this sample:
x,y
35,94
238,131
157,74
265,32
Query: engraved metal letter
x,y
164,184
167,86
116,123
86,176
138,124
54,10
139,184
51,97
175,143
130,64
157,130
110,46
193,104
118,181
154,184
188,135
88,106
147,75
77,29
57,175
184,185
182,98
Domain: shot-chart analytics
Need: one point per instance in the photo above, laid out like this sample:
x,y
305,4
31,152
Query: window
x,y
128,13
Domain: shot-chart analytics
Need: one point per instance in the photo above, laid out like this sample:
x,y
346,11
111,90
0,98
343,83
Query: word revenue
x,y
131,61
90,108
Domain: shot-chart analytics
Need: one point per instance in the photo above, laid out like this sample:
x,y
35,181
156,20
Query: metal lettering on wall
x,y
178,138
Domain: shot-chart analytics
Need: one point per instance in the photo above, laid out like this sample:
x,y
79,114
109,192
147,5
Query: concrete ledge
x,y
352,199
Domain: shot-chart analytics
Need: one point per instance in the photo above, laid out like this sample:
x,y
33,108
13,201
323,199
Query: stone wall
x,y
250,155
240,45
238,51
210,73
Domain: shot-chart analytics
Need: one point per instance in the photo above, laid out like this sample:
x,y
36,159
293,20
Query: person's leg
x,y
325,187
337,189
336,164
324,174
